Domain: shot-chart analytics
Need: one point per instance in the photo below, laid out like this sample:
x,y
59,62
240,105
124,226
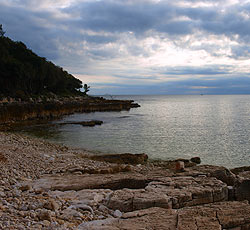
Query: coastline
x,y
50,186
55,108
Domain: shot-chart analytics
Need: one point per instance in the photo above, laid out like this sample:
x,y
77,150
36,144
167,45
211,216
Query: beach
x,y
50,186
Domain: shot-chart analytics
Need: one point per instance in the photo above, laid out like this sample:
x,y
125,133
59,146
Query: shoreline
x,y
50,186
48,109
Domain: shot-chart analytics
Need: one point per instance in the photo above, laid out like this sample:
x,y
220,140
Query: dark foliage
x,y
86,89
24,74
1,31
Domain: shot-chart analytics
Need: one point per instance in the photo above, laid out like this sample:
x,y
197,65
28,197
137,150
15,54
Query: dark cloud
x,y
23,25
118,16
240,52
90,32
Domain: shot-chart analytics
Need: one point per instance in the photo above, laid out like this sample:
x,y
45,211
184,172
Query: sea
x,y
214,127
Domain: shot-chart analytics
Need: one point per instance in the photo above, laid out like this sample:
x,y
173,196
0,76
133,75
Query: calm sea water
x,y
216,128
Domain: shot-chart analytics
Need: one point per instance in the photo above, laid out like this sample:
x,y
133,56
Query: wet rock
x,y
238,170
196,160
126,158
84,123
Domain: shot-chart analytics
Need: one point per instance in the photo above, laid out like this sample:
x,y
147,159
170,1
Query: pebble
x,y
117,214
24,207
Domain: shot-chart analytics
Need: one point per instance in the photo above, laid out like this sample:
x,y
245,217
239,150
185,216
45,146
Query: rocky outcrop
x,y
21,111
84,123
223,215
170,193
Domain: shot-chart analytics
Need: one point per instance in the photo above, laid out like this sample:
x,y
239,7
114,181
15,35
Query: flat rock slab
x,y
94,181
222,215
132,191
85,196
219,172
170,192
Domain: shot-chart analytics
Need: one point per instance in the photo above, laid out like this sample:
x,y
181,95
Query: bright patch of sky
x,y
139,46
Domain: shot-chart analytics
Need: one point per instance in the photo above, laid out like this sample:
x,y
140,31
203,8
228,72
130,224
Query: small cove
x,y
215,128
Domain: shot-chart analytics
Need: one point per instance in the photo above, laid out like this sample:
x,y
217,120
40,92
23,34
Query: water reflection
x,y
166,127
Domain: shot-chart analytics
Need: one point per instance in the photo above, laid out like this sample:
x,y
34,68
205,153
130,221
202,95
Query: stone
x,y
117,213
219,172
239,170
217,216
44,215
51,205
46,223
179,166
242,190
25,187
96,181
106,224
70,214
82,207
2,158
196,160
2,194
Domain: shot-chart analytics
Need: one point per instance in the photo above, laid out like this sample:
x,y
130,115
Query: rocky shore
x,y
48,186
12,111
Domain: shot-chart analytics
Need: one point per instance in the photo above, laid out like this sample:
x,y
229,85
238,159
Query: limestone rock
x,y
69,214
219,172
96,181
173,192
217,216
242,190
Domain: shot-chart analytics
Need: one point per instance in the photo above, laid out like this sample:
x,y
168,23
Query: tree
x,y
86,89
1,31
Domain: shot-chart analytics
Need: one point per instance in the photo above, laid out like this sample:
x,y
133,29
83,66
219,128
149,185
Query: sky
x,y
139,46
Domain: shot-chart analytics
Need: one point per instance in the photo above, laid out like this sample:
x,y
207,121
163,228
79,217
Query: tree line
x,y
25,74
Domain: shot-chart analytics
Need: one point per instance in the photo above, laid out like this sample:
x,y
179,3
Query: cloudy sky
x,y
140,46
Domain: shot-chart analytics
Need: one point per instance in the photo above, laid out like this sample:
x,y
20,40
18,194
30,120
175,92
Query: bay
x,y
213,127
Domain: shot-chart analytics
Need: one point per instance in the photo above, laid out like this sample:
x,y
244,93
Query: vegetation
x,y
23,74
1,31
86,89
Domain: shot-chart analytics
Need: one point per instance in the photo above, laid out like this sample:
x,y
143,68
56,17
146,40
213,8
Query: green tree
x,y
25,74
1,31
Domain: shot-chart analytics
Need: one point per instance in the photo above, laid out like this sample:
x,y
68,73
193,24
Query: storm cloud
x,y
134,45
